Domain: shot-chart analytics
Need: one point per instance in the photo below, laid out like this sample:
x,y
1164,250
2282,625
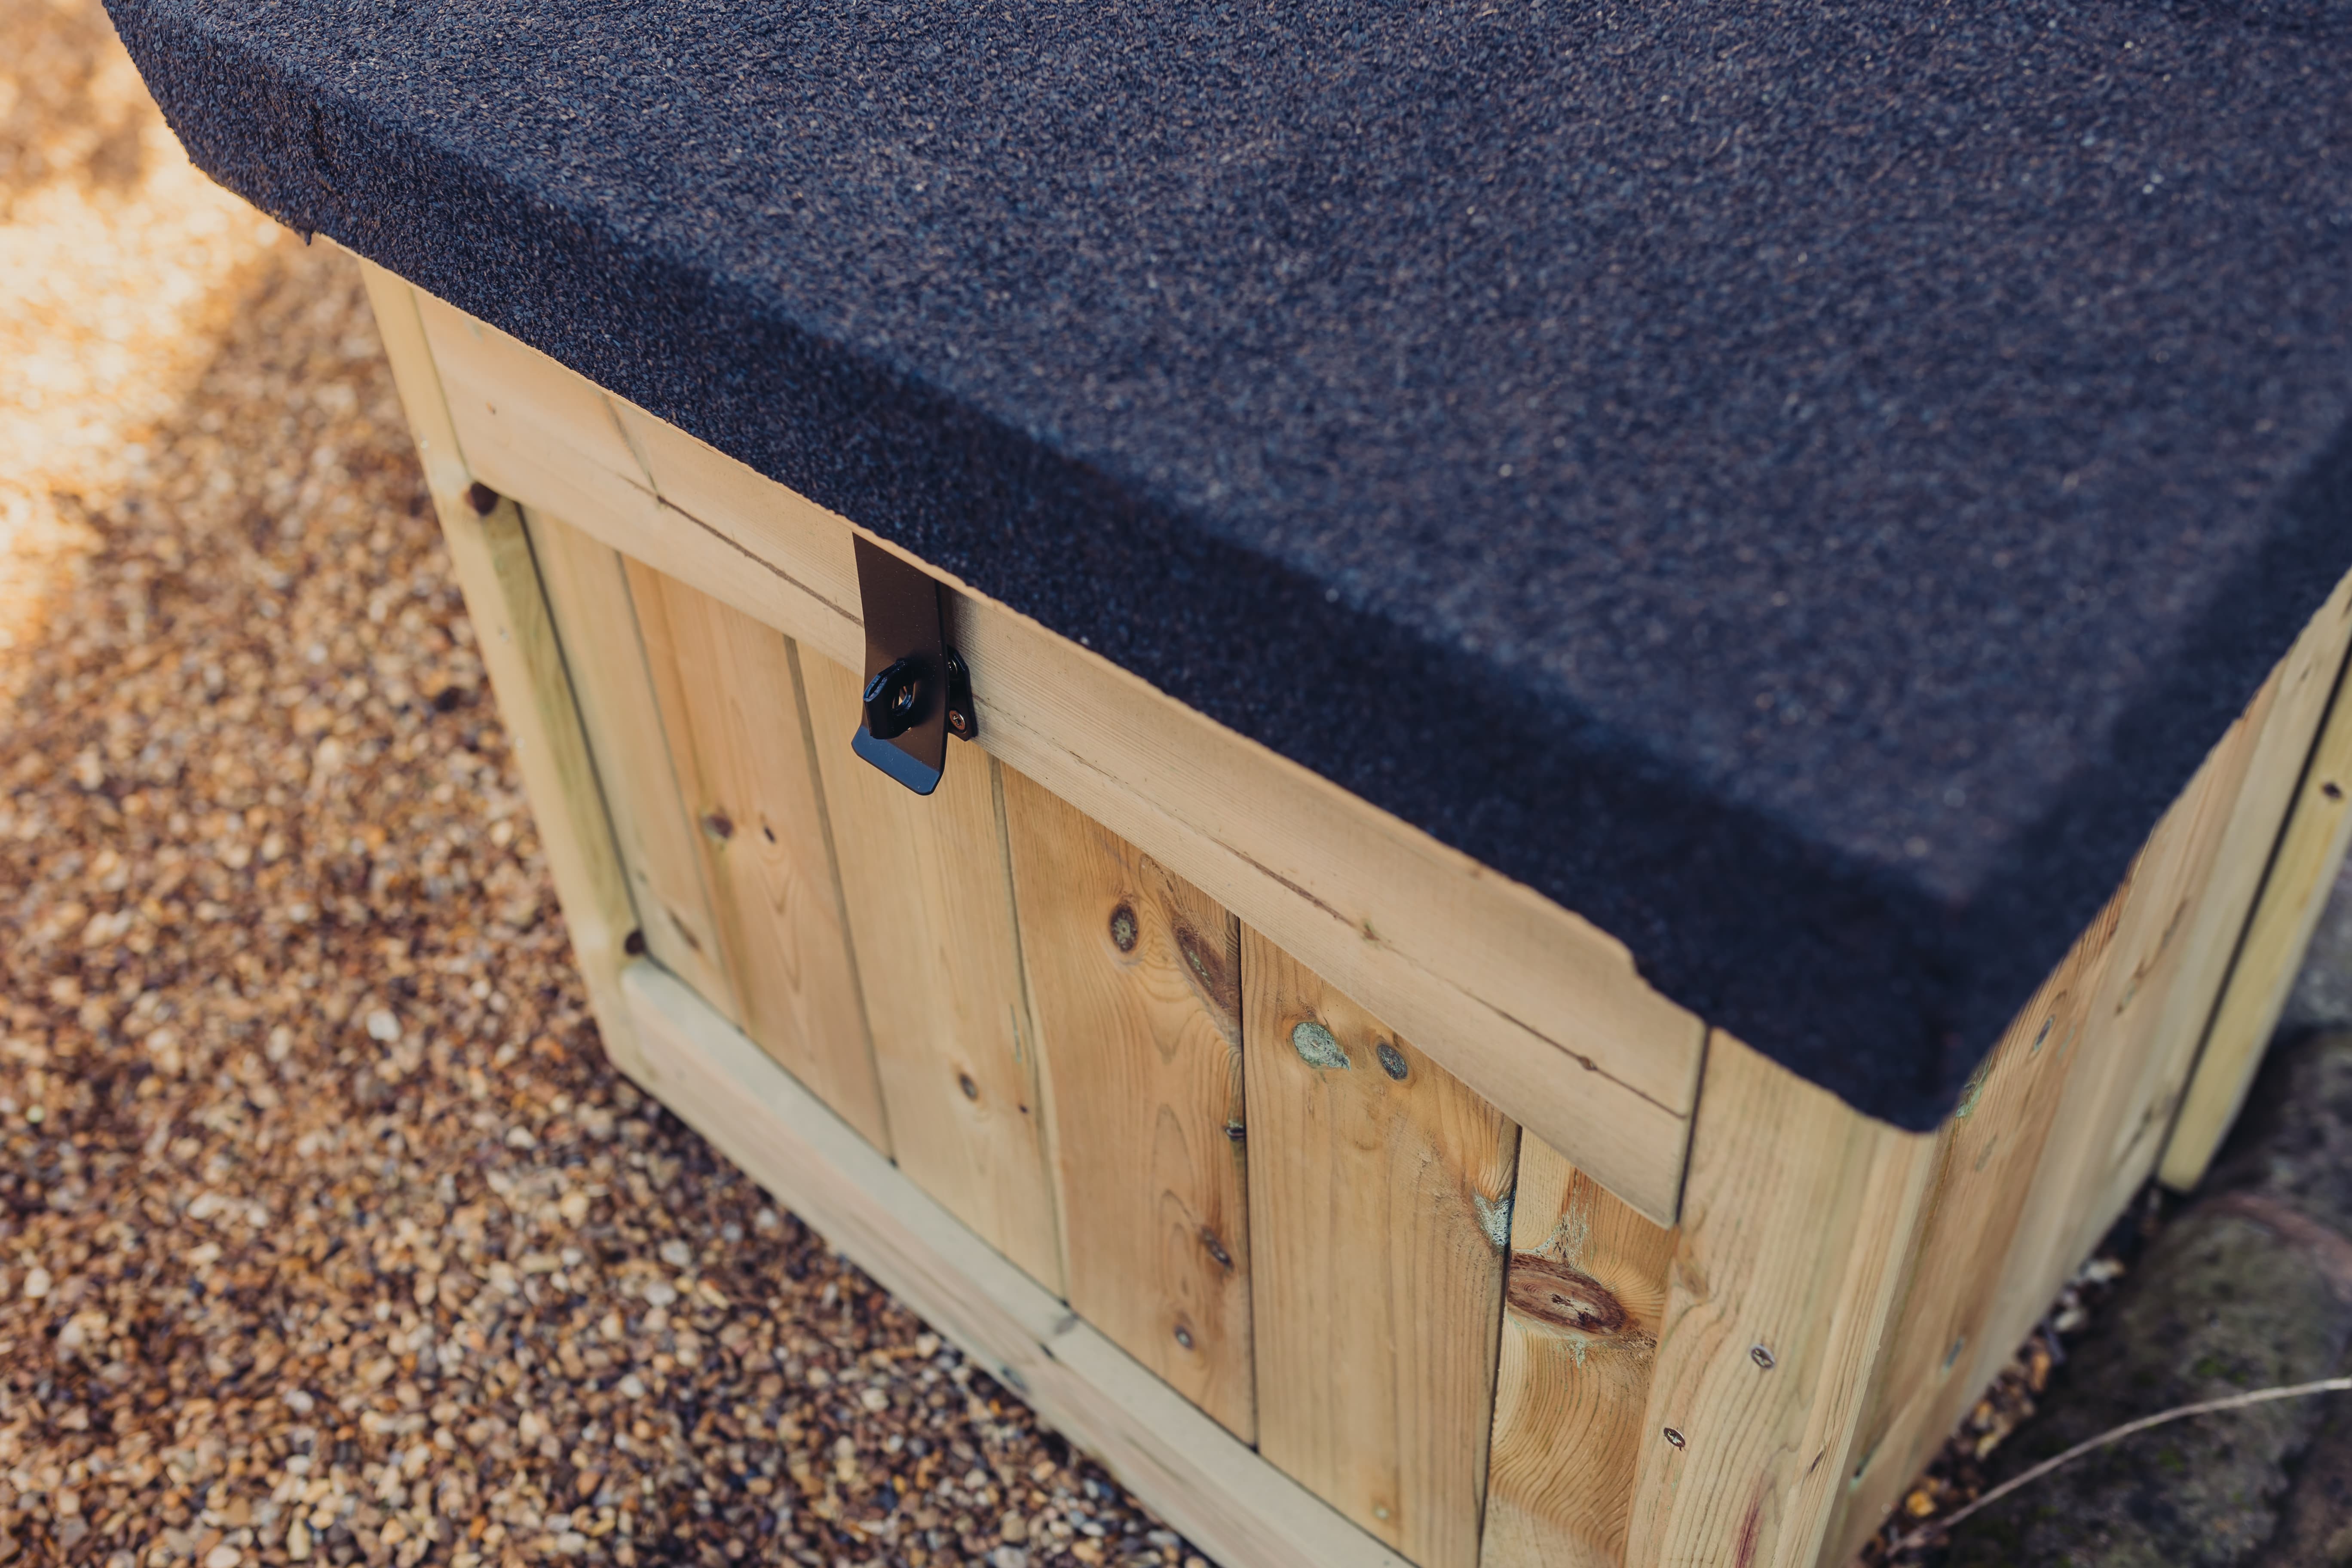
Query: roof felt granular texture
x,y
1801,484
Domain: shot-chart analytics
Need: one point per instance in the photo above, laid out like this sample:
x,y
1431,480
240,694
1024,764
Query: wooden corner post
x,y
1796,1227
489,553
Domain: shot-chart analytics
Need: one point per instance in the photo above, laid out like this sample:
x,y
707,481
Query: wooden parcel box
x,y
1619,801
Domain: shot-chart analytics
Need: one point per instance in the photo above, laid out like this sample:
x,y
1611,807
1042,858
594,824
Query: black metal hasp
x,y
918,693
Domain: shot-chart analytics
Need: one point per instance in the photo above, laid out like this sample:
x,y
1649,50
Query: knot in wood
x,y
1562,1298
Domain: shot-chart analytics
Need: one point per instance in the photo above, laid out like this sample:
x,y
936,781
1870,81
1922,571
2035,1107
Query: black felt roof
x,y
1803,484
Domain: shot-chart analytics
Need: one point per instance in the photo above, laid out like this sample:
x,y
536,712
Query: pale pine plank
x,y
1135,982
1378,1221
1583,1301
929,898
2294,893
1797,1232
736,728
589,596
490,557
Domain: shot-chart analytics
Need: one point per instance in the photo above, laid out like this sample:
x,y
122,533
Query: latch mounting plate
x,y
916,690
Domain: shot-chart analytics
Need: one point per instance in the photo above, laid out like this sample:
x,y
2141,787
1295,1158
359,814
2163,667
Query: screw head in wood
x,y
1673,1436
1761,1356
1391,1060
1183,1336
893,699
970,1090
1123,928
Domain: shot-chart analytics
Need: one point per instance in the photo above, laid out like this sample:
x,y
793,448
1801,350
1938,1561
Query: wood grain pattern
x,y
1797,1231
1529,1003
588,594
1949,1336
1135,983
490,556
1584,1299
2294,893
1379,1189
929,897
736,735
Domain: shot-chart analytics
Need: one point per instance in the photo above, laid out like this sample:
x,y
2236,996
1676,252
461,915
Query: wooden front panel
x,y
1340,1253
1380,1193
1836,1288
1136,978
1049,1032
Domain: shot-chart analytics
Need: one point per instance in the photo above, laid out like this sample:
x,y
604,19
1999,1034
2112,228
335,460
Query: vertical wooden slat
x,y
1378,1190
589,595
1134,979
929,898
1583,1301
741,751
1797,1226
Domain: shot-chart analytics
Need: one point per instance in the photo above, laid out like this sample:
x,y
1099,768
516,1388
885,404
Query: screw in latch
x,y
893,699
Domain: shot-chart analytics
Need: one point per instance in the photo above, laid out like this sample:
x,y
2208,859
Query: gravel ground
x,y
326,1235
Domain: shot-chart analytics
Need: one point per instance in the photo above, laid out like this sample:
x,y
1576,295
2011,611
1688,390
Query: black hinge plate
x,y
917,692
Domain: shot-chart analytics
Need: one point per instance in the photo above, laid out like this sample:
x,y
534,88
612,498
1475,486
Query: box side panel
x,y
2065,1121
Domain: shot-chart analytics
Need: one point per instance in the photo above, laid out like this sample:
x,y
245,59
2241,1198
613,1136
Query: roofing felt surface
x,y
1803,485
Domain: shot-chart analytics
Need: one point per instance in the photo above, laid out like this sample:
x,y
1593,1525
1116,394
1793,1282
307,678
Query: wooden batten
x,y
1797,1231
2294,893
730,720
620,708
490,556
